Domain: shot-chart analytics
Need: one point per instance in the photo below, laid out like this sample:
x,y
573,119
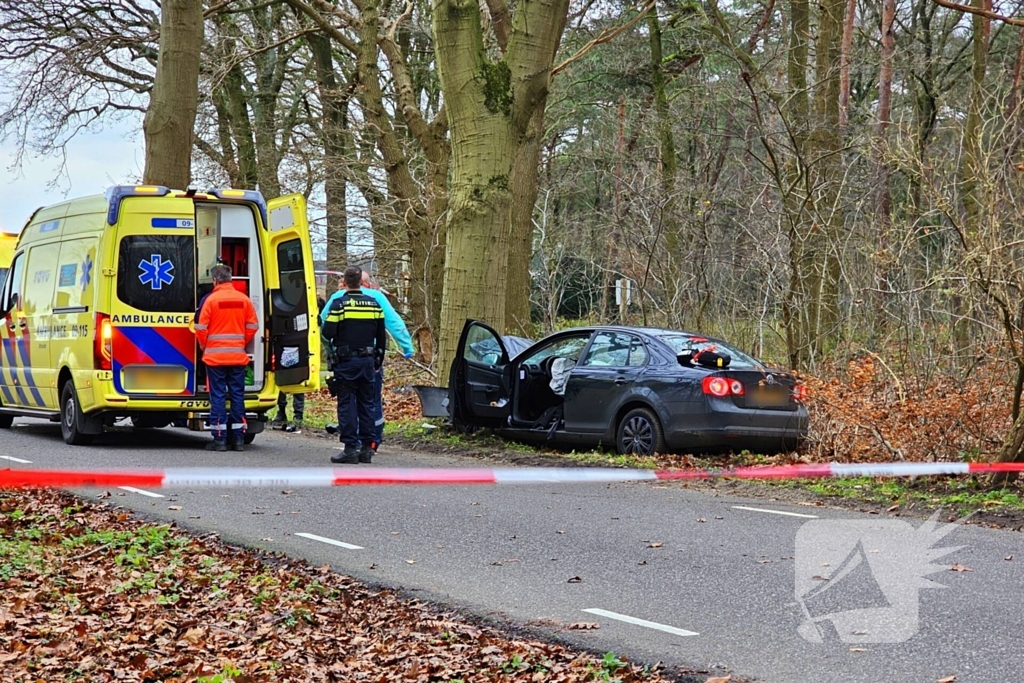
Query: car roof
x,y
652,331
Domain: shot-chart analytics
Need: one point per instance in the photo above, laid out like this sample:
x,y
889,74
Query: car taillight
x,y
799,392
103,345
722,386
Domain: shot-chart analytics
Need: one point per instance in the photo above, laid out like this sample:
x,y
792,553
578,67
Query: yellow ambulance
x,y
99,303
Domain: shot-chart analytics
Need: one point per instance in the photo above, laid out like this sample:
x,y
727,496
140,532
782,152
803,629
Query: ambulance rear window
x,y
157,273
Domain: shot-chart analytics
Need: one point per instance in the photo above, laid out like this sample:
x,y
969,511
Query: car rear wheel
x,y
70,417
640,433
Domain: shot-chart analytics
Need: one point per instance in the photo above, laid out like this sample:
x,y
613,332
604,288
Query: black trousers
x,y
356,413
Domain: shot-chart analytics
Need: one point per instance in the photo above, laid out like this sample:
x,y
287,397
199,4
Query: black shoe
x,y
331,428
218,446
346,457
366,454
238,446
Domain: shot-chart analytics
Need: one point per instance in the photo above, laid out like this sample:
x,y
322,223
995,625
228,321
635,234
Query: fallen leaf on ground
x,y
655,545
238,601
1008,558
575,579
957,567
173,507
585,626
719,679
947,679
857,649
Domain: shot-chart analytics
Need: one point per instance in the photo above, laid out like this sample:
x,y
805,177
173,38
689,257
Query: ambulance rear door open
x,y
227,231
290,282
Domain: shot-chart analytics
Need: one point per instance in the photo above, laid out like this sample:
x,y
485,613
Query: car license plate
x,y
765,397
154,378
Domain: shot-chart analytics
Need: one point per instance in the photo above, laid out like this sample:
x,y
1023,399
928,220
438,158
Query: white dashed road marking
x,y
13,459
331,541
641,622
775,512
132,489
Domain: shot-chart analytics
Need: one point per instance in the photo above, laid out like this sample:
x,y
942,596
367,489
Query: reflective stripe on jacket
x,y
393,322
355,321
226,324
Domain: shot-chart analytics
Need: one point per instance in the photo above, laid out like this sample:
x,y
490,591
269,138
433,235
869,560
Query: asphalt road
x,y
713,584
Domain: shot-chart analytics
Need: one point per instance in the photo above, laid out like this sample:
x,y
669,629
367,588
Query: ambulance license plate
x,y
154,378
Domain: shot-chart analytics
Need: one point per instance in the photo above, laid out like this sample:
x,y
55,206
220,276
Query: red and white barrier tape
x,y
326,476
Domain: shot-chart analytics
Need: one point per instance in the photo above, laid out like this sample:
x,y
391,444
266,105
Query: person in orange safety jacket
x,y
227,322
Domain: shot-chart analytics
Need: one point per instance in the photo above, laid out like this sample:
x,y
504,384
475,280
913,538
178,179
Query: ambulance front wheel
x,y
71,417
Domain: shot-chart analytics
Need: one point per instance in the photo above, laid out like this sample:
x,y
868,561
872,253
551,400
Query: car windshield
x,y
680,342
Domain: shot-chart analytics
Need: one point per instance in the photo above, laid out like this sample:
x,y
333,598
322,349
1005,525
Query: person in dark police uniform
x,y
354,326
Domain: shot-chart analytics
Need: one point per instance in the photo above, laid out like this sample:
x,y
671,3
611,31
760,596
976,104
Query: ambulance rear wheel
x,y
6,421
249,438
71,416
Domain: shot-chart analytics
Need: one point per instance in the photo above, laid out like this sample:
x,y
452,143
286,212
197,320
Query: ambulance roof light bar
x,y
254,196
117,193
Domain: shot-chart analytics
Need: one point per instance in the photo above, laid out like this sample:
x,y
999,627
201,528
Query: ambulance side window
x,y
157,273
292,271
12,291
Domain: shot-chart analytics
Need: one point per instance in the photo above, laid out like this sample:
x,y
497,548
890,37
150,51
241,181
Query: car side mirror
x,y
9,304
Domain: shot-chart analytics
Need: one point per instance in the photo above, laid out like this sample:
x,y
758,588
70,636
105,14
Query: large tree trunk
x,y
821,263
171,116
490,105
795,196
883,195
669,219
525,186
334,131
270,75
974,162
844,65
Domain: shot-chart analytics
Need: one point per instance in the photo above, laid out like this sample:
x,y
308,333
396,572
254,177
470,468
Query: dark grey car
x,y
645,390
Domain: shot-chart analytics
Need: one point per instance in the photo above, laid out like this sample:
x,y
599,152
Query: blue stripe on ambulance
x,y
26,370
8,352
185,223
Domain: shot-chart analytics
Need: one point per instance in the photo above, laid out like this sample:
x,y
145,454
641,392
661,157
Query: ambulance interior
x,y
227,232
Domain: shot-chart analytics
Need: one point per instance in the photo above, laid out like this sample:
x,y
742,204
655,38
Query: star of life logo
x,y
156,272
861,577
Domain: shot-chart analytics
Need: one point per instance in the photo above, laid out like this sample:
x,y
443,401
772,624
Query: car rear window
x,y
157,273
692,342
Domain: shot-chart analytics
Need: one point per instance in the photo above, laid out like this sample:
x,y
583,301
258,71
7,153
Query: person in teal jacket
x,y
395,326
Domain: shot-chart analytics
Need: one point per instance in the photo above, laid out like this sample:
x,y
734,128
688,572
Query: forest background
x,y
835,187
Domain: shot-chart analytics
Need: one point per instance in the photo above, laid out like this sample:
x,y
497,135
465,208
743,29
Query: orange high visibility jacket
x,y
226,324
